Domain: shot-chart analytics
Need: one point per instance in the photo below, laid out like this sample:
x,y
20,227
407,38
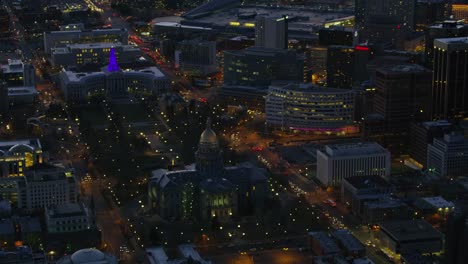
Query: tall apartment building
x,y
271,32
196,57
341,161
450,79
448,156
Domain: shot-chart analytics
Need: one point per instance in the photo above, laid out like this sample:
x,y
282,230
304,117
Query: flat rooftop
x,y
438,123
410,230
452,43
350,242
355,149
327,244
73,76
365,182
19,91
438,202
300,18
66,210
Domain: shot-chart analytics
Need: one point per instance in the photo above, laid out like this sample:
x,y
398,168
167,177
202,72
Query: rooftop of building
x,y
365,182
66,210
308,88
348,241
100,45
437,202
23,90
299,18
99,30
188,251
404,68
404,230
355,149
437,123
157,255
462,41
449,24
73,76
45,172
15,145
12,66
6,226
328,245
384,203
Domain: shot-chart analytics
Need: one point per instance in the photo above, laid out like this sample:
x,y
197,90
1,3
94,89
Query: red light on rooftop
x,y
362,48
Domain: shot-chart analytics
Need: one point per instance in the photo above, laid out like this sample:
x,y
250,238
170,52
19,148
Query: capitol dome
x,y
88,256
208,136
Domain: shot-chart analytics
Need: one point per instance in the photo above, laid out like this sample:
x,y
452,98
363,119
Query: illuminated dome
x,y
208,136
88,256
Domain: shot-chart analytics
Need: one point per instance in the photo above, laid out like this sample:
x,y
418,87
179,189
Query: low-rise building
x,y
410,235
351,245
67,218
18,155
384,209
54,39
341,161
78,55
448,156
81,86
17,73
357,190
434,205
22,95
322,244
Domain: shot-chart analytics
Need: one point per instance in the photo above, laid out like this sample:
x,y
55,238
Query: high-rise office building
x,y
457,235
429,12
402,95
384,20
195,57
450,79
345,65
271,32
445,29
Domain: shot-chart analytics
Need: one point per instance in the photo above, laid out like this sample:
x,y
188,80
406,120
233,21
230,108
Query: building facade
x,y
256,67
19,155
341,161
68,217
196,58
17,73
207,190
271,32
402,95
55,39
309,108
448,156
81,86
450,79
79,55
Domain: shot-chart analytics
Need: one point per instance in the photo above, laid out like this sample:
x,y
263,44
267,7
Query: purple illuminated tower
x,y
113,66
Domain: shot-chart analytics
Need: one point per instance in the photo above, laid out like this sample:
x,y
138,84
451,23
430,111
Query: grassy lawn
x,y
94,115
131,113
